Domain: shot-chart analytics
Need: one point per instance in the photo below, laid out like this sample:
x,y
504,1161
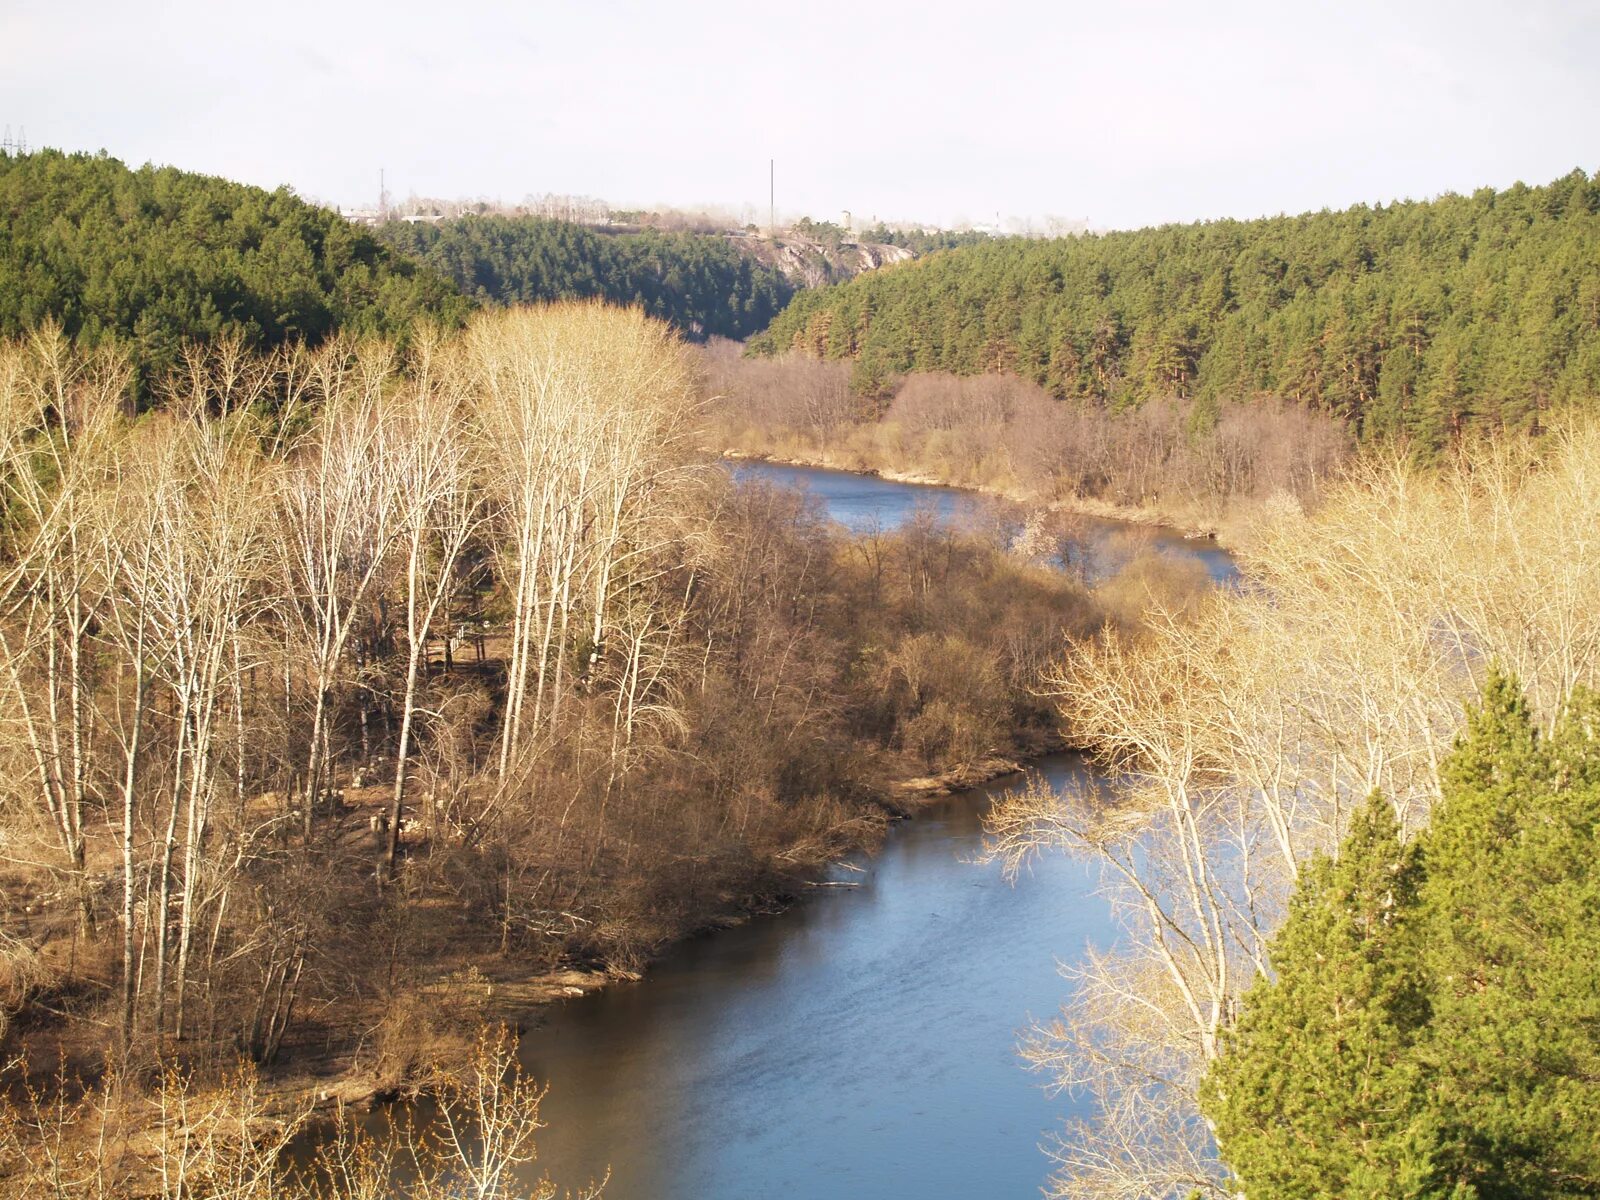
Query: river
x,y
861,1046
862,503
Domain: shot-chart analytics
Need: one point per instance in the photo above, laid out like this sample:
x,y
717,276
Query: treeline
x,y
1422,319
1007,435
1412,1014
702,285
924,241
156,258
153,258
455,666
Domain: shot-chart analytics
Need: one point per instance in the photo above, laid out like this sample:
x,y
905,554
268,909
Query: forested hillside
x,y
155,256
701,284
1420,318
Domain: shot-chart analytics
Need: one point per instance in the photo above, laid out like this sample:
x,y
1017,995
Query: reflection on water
x,y
860,1045
863,503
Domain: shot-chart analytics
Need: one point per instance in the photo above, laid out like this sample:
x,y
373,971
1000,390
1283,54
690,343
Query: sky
x,y
1123,114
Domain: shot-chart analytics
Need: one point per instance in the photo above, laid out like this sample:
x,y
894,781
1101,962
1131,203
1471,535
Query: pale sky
x,y
1125,114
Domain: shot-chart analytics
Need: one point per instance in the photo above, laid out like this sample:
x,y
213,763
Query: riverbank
x,y
497,992
799,748
1187,523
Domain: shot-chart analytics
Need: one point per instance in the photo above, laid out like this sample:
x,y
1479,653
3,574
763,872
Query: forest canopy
x,y
156,256
1419,318
701,284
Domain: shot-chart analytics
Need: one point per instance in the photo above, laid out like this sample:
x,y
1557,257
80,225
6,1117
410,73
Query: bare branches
x,y
581,412
1240,734
338,507
205,609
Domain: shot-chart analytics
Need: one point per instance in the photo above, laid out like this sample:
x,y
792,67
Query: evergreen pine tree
x,y
1512,913
1317,1092
1437,1033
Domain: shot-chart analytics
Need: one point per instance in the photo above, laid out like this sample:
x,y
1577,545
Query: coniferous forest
x,y
1417,319
154,257
701,284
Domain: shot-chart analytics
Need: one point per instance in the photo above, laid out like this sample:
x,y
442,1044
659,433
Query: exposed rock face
x,y
876,254
809,263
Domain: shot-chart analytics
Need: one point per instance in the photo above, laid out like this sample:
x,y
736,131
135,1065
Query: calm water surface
x,y
862,503
862,1046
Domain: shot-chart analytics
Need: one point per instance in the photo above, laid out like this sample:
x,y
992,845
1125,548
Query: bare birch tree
x,y
338,511
58,414
440,513
578,408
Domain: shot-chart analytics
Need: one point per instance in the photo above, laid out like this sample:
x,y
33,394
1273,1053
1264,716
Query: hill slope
x,y
700,283
1419,318
156,255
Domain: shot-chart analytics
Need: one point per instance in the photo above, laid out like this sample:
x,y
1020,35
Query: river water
x,y
861,1046
862,503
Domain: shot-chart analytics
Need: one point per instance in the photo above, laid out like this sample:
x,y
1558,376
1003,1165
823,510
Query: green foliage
x,y
924,241
1437,1033
1318,1092
1417,318
156,256
829,233
1513,911
701,284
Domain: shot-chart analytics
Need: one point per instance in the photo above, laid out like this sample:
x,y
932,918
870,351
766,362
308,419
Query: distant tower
x,y
847,228
383,197
772,198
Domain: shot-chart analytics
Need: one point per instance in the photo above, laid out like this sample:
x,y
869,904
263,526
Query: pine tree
x,y
1420,320
1436,1033
1318,1092
1512,908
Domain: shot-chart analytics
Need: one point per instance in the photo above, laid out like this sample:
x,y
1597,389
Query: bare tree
x,y
578,409
58,414
1239,736
339,512
441,511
